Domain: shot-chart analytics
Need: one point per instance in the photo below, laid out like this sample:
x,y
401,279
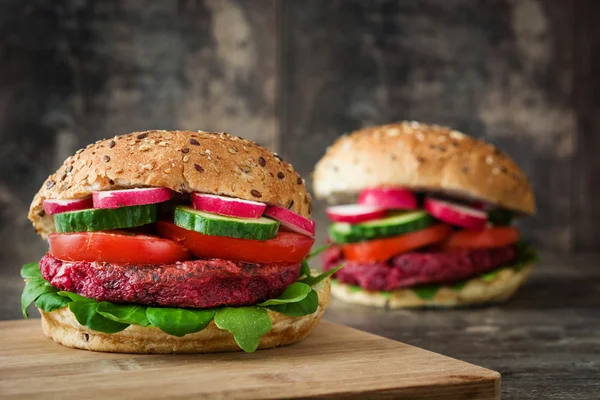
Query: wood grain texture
x,y
334,362
72,72
498,70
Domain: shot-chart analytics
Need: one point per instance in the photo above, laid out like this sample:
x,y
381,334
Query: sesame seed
x,y
186,158
198,168
194,142
489,160
112,144
299,181
106,158
420,136
142,136
185,150
144,147
290,204
207,151
167,171
162,144
50,184
262,161
280,175
456,135
118,171
256,193
70,168
496,171
152,141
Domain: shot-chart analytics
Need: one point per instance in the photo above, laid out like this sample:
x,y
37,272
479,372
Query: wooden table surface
x,y
545,342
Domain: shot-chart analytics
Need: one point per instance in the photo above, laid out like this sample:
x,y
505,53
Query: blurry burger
x,y
426,218
167,242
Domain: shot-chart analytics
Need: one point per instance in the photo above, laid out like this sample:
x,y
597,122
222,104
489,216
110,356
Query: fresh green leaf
x,y
500,217
319,250
31,270
51,301
304,307
490,276
124,313
179,321
292,294
354,288
458,286
426,292
87,314
314,280
386,294
246,324
305,269
75,296
34,288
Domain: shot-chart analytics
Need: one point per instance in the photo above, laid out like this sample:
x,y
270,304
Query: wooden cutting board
x,y
333,362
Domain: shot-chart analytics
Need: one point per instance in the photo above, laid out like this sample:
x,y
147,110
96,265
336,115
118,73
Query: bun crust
x,y
424,157
476,291
62,327
183,161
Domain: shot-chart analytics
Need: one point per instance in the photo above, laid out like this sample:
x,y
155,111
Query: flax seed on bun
x,y
183,161
422,157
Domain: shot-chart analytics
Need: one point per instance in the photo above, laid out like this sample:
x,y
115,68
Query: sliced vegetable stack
x,y
391,240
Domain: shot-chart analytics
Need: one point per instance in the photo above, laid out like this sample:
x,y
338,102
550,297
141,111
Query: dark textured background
x,y
293,75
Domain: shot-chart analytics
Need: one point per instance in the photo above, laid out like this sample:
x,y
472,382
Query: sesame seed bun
x,y
421,157
475,291
62,326
183,161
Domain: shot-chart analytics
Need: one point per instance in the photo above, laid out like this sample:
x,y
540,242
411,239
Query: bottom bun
x,y
475,291
62,326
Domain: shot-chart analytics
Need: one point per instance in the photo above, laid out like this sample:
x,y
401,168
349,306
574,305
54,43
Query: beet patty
x,y
196,284
413,269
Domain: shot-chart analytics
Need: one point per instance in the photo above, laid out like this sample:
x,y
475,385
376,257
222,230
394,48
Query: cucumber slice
x,y
220,225
99,219
394,225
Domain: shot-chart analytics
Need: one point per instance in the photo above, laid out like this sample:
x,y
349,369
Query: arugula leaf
x,y
426,292
125,313
305,269
490,276
458,286
31,270
306,306
34,288
319,250
246,324
51,301
87,315
179,321
313,280
74,296
294,293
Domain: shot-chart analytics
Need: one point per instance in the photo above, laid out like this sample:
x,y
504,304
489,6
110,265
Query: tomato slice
x,y
384,249
483,239
116,247
286,247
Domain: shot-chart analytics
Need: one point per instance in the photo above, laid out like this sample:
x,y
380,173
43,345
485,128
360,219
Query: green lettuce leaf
x,y
246,324
319,250
426,292
31,270
179,321
86,314
314,280
34,288
51,301
306,306
125,313
75,296
294,293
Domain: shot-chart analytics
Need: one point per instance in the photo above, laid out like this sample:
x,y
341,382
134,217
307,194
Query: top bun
x,y
183,161
422,157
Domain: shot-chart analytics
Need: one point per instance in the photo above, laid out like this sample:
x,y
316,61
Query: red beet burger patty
x,y
195,284
413,269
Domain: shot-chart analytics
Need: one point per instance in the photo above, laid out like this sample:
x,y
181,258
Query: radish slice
x,y
291,220
355,213
388,198
228,206
454,214
52,207
130,197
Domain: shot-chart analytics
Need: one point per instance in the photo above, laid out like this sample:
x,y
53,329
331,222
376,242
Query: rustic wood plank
x,y
498,70
334,362
586,163
72,72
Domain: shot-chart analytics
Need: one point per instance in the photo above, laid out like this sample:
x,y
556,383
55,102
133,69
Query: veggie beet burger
x,y
179,241
431,225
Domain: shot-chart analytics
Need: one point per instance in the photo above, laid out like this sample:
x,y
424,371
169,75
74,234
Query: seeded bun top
x,y
422,157
183,161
